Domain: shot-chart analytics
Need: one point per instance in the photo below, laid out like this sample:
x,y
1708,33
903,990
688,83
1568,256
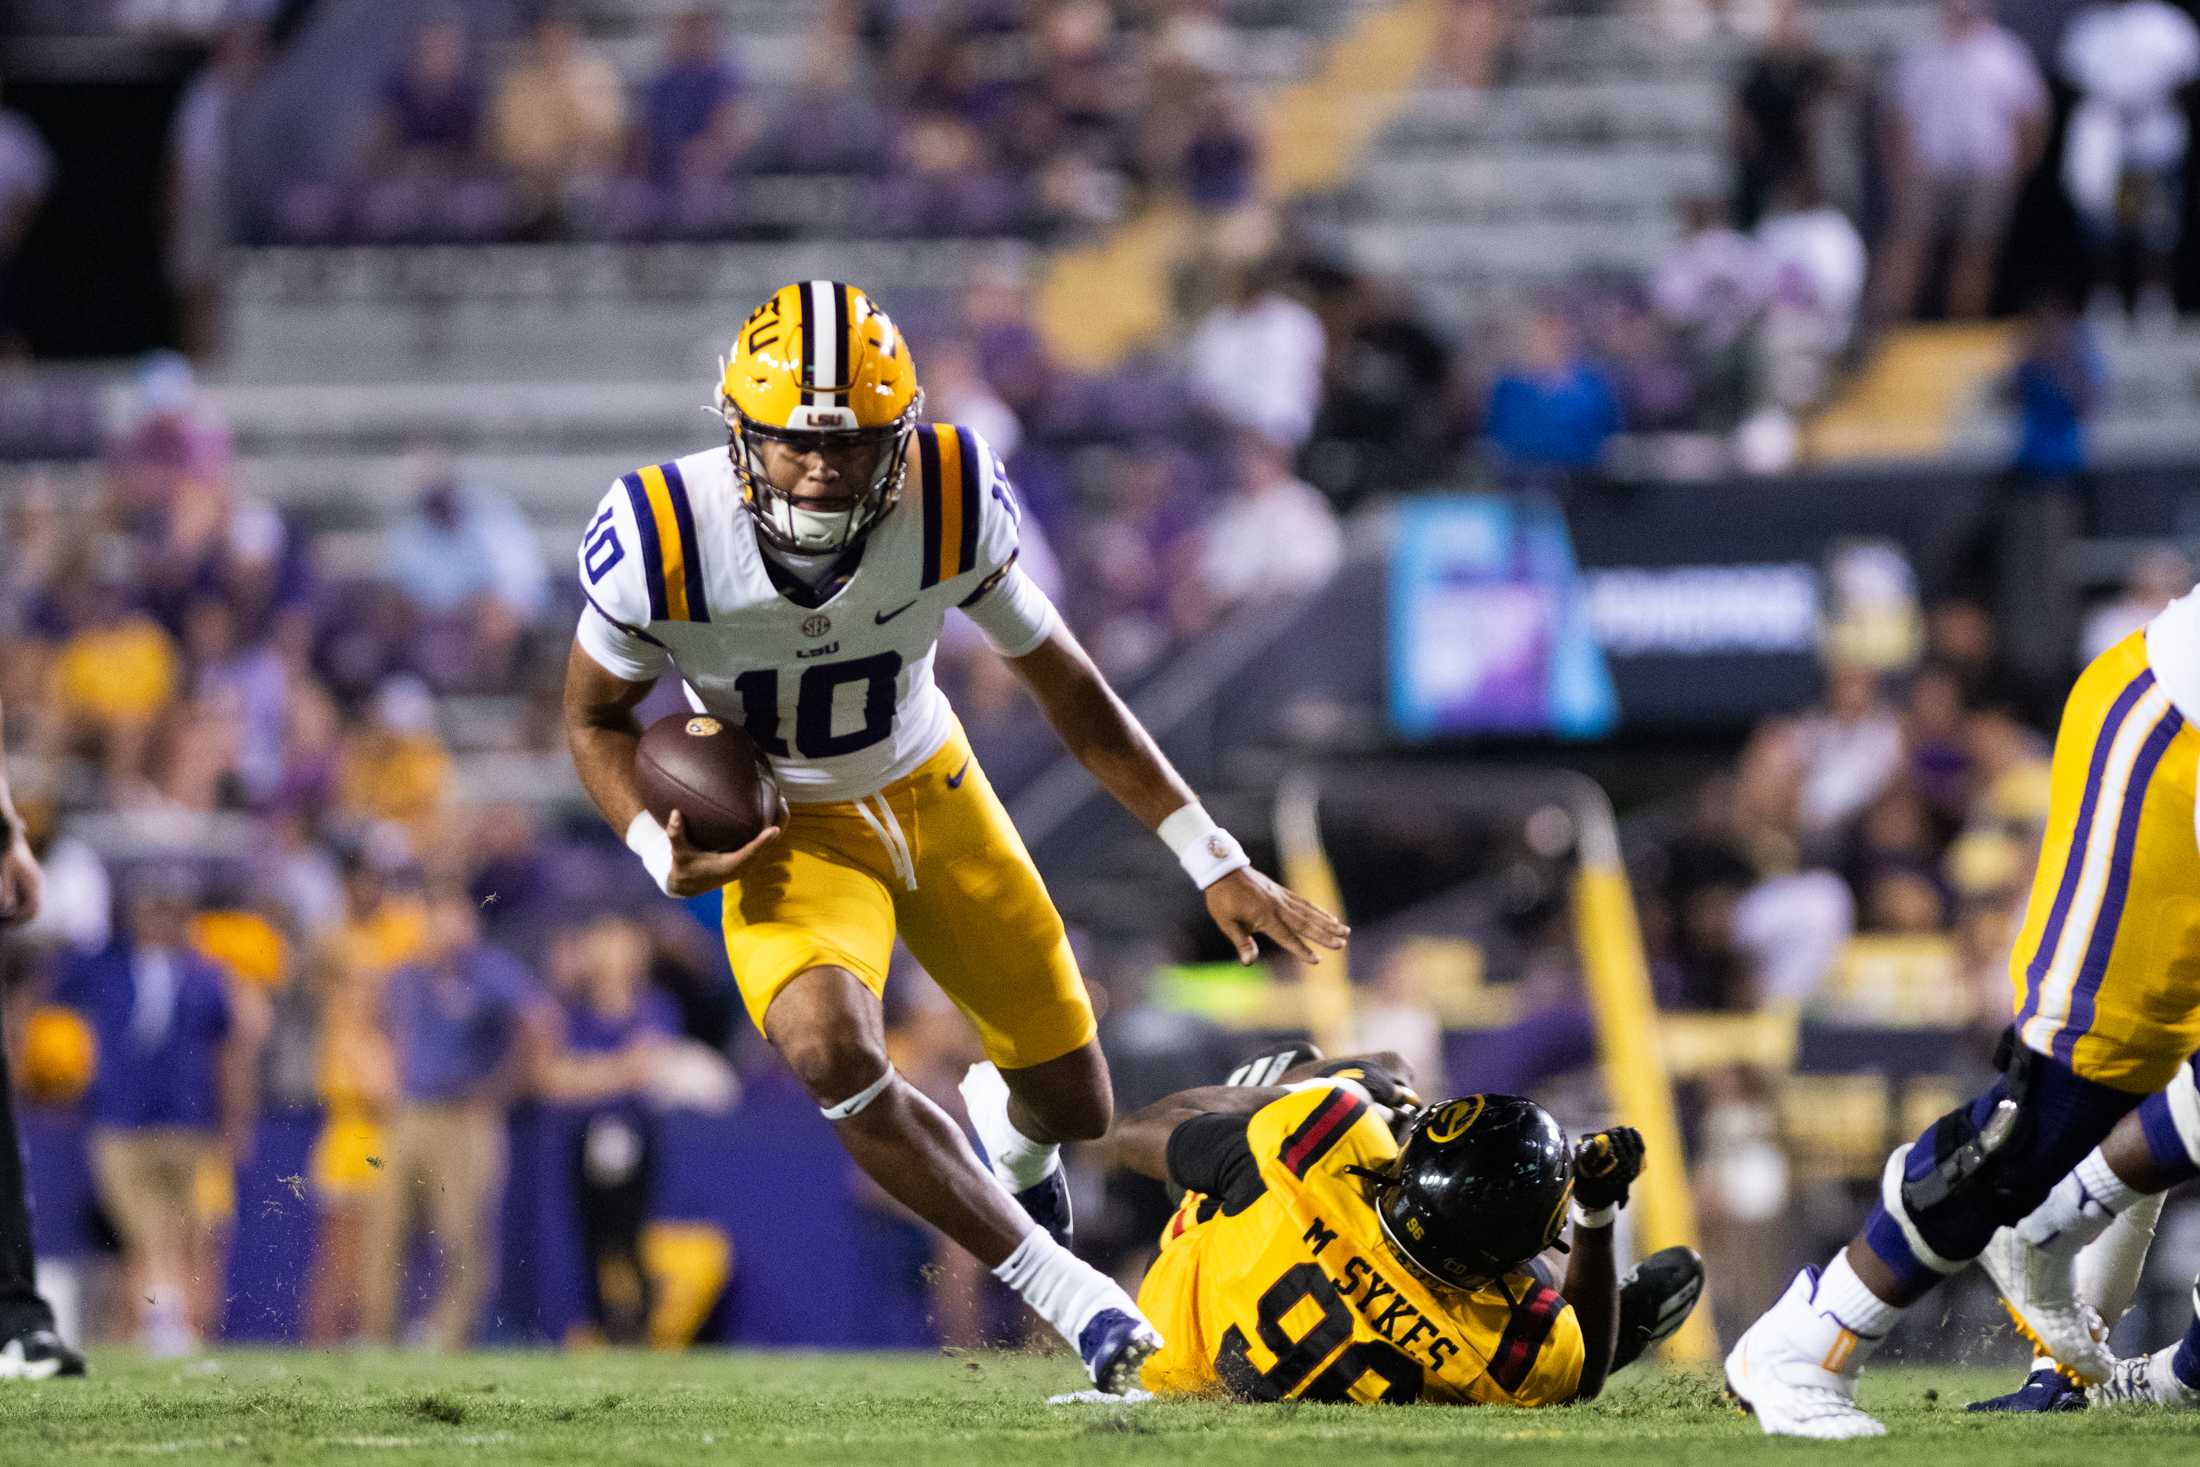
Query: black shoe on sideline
x,y
39,1354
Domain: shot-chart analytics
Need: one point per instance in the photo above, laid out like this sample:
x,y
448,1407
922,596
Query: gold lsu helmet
x,y
819,367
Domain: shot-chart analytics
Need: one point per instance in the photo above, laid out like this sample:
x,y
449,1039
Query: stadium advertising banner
x,y
1487,627
1685,606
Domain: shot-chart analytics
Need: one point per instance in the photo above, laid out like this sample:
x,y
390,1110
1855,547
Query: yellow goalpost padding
x,y
1635,1076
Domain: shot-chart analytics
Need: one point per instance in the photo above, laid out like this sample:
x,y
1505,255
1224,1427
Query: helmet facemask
x,y
782,520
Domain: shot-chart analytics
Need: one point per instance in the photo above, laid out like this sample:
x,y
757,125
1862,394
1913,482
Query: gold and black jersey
x,y
1278,1284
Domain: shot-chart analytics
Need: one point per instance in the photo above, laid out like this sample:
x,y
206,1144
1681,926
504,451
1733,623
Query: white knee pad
x,y
857,1103
1890,1197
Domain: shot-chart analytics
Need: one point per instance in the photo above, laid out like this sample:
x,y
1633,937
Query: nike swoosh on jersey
x,y
955,780
883,617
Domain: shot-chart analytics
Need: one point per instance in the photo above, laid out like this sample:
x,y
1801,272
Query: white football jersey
x,y
839,693
2173,651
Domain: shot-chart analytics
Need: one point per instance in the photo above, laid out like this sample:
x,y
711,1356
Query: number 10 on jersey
x,y
817,700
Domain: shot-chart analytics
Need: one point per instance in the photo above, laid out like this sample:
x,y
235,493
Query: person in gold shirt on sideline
x,y
111,681
1318,1257
395,767
382,928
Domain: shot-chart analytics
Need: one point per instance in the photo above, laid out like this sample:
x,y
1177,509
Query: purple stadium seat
x,y
394,211
996,202
825,134
629,209
704,209
473,211
309,213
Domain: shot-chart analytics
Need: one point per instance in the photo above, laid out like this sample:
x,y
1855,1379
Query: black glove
x,y
1606,1164
1382,1087
1267,1068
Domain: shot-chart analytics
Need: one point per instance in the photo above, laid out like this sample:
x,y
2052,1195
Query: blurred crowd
x,y
1771,291
988,118
1865,192
1861,194
268,889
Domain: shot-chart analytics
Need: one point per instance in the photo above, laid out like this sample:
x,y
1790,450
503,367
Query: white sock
x,y
2080,1208
1017,1161
2110,1266
1854,1307
1060,1287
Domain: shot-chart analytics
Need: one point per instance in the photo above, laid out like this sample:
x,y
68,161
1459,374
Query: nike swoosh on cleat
x,y
883,617
955,780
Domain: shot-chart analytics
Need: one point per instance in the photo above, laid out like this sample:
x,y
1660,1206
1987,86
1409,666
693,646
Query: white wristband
x,y
1600,1217
647,839
1204,849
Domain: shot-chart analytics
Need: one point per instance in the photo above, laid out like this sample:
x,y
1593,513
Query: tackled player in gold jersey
x,y
1315,1257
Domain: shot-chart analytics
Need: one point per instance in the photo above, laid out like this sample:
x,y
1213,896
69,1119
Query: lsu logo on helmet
x,y
820,367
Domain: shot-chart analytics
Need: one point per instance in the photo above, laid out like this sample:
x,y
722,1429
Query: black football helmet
x,y
1479,1188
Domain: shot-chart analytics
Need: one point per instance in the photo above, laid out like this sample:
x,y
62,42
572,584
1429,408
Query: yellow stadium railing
x,y
1629,1047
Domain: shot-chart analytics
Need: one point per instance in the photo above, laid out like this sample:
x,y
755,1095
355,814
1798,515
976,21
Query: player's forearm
x,y
603,757
603,734
1592,1288
1140,1143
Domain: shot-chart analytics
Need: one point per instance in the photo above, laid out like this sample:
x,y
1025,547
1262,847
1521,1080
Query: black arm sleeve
x,y
1209,1154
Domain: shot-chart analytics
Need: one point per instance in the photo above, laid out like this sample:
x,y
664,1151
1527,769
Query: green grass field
x,y
920,1410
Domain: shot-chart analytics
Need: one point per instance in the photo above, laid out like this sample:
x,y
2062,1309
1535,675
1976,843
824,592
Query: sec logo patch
x,y
817,626
703,728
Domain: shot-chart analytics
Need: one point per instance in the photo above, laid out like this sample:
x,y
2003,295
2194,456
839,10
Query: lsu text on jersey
x,y
1295,1295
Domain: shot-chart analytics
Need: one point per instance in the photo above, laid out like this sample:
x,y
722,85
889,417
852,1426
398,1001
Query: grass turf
x,y
916,1410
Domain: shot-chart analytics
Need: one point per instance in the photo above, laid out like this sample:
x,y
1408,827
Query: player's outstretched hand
x,y
20,881
1606,1164
1246,903
695,870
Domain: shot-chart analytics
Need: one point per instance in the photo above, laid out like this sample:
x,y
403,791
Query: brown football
x,y
711,771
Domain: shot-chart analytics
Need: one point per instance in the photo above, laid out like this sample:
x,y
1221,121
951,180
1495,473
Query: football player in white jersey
x,y
797,581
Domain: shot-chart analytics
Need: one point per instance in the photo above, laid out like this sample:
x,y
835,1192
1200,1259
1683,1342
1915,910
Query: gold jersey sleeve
x,y
1296,1295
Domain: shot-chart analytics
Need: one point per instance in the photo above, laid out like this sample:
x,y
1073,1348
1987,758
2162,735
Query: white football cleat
x,y
1102,1398
2144,1380
2039,1288
1788,1389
